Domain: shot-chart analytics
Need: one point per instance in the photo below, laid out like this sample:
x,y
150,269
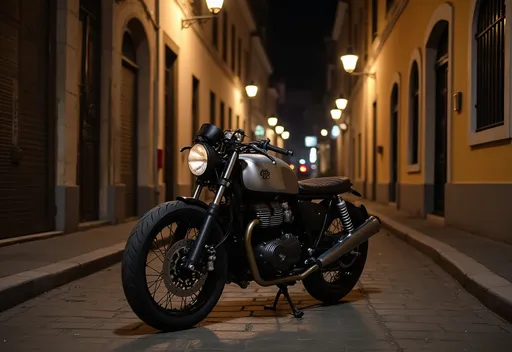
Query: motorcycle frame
x,y
231,184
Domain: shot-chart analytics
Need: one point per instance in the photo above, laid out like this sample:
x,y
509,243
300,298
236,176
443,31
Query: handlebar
x,y
265,144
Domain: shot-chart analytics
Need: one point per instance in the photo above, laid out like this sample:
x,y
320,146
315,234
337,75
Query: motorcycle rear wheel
x,y
350,269
135,280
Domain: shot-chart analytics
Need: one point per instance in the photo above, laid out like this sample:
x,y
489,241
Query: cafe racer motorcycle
x,y
262,226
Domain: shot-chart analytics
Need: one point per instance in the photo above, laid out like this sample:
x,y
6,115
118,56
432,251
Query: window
x,y
230,118
233,48
215,32
225,36
247,68
213,117
490,64
389,4
414,114
195,106
197,7
222,116
359,155
239,58
375,18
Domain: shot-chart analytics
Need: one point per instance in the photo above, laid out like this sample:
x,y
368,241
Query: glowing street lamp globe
x,y
279,129
285,135
341,103
324,132
349,61
336,114
272,121
214,6
251,90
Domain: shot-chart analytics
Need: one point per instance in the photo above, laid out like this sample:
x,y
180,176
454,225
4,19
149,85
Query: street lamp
x,y
279,129
214,6
336,114
341,102
272,121
349,60
285,135
343,126
251,90
324,132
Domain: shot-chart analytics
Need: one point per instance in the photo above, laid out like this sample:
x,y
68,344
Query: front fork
x,y
212,215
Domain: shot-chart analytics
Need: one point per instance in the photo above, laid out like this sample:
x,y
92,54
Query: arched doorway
x,y
393,187
437,90
441,155
128,123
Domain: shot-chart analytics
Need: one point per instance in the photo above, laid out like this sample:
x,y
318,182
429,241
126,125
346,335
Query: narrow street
x,y
404,302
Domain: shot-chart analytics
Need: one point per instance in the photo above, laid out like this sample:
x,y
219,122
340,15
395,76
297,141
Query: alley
x,y
404,302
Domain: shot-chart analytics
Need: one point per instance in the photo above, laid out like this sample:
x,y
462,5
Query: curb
x,y
492,290
20,287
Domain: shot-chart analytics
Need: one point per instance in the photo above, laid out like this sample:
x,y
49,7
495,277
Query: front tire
x,y
134,278
332,292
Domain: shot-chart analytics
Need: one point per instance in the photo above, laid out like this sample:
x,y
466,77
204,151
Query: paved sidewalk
x,y
483,266
31,268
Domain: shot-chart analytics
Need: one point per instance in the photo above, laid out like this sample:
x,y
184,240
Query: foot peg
x,y
283,290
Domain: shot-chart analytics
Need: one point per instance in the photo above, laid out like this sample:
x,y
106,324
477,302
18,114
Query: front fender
x,y
193,201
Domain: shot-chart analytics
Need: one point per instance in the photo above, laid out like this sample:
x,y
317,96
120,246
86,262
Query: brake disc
x,y
178,283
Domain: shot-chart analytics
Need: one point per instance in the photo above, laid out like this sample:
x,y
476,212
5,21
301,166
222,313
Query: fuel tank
x,y
260,175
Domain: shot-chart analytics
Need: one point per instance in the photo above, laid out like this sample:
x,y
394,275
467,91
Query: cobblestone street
x,y
404,302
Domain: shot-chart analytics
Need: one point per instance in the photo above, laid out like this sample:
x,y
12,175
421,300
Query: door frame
x,y
374,150
170,114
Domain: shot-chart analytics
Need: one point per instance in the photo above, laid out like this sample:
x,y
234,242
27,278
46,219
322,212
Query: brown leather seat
x,y
325,185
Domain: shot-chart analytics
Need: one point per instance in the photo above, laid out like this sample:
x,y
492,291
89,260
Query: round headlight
x,y
198,159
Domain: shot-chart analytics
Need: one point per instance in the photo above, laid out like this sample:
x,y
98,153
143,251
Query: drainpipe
x,y
156,100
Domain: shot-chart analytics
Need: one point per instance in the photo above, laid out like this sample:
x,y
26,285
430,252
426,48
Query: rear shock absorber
x,y
345,216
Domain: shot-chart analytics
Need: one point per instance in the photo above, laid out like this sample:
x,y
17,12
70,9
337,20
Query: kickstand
x,y
283,290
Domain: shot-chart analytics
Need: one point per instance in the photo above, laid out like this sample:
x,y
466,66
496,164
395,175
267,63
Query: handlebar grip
x,y
279,150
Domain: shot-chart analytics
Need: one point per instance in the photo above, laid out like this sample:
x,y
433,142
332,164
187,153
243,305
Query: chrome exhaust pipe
x,y
363,233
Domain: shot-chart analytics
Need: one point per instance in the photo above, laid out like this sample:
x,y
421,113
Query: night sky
x,y
297,30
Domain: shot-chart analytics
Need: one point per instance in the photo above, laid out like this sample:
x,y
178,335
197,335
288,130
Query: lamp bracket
x,y
187,22
366,74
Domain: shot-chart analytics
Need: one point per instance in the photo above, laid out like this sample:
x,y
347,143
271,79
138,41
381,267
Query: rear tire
x,y
330,293
134,269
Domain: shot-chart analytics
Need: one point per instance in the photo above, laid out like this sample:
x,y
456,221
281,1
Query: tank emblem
x,y
265,174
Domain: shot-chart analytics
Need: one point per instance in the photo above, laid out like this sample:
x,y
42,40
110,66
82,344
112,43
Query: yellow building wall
x,y
468,165
195,58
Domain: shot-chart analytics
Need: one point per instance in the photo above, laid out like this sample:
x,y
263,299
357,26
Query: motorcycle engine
x,y
275,252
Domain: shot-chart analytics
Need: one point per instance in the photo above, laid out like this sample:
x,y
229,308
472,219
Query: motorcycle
x,y
262,225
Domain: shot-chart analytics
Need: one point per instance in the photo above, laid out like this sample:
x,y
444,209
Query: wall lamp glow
x,y
272,121
214,6
279,129
285,135
349,61
251,90
336,114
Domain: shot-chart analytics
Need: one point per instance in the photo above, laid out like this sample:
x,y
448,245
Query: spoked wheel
x,y
336,281
159,290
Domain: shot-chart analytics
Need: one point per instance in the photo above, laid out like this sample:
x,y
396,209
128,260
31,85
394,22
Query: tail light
x,y
303,168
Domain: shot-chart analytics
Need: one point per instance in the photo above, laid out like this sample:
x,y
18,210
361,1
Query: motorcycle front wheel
x,y
159,291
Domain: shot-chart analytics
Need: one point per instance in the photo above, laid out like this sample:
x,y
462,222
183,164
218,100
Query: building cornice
x,y
341,9
379,42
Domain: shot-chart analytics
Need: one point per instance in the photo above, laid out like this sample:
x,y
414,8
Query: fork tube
x,y
211,217
197,192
